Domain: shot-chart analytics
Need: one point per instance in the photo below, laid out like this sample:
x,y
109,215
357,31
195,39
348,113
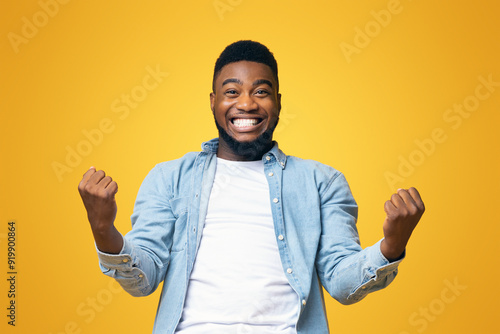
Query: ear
x,y
279,103
212,102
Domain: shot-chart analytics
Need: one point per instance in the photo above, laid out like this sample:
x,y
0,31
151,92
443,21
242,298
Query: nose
x,y
246,102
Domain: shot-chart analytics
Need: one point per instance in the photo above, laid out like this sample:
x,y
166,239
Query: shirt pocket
x,y
179,208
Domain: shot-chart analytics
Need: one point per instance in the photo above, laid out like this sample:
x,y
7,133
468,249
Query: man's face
x,y
245,103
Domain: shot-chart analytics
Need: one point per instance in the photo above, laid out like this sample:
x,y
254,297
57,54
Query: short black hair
x,y
249,51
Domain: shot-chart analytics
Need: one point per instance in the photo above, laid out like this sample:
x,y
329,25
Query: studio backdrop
x,y
393,93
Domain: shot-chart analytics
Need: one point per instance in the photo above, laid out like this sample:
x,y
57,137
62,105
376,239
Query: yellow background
x,y
361,114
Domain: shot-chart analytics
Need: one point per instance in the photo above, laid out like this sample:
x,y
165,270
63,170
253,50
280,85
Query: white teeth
x,y
242,122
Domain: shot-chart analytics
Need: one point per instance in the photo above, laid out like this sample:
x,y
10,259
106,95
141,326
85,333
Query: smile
x,y
245,122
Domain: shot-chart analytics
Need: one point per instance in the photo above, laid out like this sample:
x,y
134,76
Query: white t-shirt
x,y
238,284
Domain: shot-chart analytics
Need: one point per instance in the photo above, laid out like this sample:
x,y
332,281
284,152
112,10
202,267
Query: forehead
x,y
245,71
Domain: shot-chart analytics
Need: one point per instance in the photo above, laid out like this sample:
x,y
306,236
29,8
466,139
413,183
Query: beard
x,y
252,150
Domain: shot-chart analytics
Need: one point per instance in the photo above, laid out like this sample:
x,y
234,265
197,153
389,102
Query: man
x,y
243,236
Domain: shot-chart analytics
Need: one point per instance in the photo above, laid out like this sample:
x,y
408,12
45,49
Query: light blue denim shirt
x,y
314,217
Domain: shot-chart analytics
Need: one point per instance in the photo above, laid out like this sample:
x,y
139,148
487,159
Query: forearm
x,y
108,241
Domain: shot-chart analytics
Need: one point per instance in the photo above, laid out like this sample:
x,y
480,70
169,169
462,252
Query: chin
x,y
250,149
245,138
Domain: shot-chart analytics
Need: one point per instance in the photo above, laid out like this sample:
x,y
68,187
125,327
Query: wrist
x,y
391,252
108,240
101,230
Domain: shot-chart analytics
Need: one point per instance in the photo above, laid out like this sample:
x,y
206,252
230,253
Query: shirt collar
x,y
274,154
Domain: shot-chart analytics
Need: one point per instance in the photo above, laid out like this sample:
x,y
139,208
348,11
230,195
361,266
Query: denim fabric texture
x,y
314,217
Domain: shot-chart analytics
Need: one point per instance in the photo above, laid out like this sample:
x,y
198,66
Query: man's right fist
x,y
98,194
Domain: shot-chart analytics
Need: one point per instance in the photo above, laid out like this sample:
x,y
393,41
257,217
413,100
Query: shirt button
x,y
282,164
280,237
304,302
141,275
125,260
275,200
268,157
289,270
270,174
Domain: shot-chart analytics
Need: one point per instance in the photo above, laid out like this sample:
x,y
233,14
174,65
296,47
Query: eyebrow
x,y
263,81
256,82
232,80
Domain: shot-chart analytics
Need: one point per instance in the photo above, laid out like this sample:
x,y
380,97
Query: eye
x,y
231,92
261,92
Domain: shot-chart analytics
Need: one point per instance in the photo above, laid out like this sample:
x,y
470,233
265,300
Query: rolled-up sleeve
x,y
125,268
142,263
347,271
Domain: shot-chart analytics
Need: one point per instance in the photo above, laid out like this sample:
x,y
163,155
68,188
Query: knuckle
x,y
413,211
391,215
88,188
84,189
405,212
106,194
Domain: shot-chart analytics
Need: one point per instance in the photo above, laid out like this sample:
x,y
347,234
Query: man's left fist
x,y
403,210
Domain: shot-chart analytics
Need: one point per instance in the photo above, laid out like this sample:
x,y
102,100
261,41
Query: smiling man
x,y
243,236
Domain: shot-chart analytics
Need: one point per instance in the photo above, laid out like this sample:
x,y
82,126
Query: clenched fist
x,y
98,194
403,210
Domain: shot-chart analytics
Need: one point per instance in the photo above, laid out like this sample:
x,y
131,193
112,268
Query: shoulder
x,y
174,168
187,160
325,178
171,177
311,167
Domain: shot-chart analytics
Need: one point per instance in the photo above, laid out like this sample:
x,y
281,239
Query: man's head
x,y
249,51
245,100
